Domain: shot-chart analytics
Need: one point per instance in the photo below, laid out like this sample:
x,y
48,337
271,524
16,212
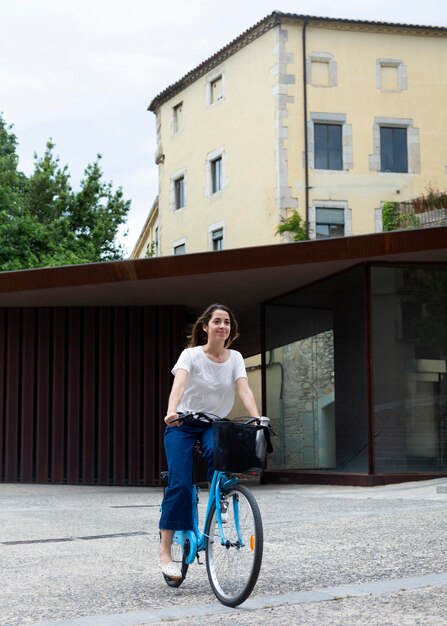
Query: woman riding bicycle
x,y
206,376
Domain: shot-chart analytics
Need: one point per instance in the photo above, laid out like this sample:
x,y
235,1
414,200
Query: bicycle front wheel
x,y
233,564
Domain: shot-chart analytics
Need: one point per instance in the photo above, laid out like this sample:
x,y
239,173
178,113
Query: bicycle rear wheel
x,y
233,566
178,556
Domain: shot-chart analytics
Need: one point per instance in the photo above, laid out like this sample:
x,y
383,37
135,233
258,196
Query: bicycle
x,y
232,535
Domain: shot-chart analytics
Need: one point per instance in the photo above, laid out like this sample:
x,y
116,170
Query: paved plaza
x,y
333,556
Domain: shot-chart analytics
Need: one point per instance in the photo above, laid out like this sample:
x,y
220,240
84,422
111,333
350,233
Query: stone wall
x,y
307,410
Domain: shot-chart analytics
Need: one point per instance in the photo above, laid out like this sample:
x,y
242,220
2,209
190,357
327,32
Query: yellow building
x,y
328,117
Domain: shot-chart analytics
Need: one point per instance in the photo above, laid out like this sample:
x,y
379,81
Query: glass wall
x,y
316,376
409,337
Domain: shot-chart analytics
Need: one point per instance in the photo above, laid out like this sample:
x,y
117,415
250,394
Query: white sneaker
x,y
171,570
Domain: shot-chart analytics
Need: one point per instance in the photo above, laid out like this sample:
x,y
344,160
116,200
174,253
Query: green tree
x,y
11,181
293,224
44,222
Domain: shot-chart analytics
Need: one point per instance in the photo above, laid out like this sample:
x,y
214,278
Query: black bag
x,y
237,446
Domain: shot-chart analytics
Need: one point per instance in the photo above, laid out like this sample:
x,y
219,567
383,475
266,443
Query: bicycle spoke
x,y
233,565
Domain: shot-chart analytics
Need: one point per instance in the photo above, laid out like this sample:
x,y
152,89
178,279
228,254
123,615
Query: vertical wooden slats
x,y
165,364
171,339
119,409
43,374
133,384
12,412
73,396
59,393
27,436
151,405
104,395
83,392
88,396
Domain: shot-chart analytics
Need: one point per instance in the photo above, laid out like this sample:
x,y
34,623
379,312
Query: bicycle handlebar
x,y
196,416
210,418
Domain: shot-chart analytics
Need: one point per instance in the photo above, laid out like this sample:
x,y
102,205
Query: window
x,y
179,249
411,316
327,395
216,235
177,118
217,239
391,139
216,91
330,142
393,149
216,175
178,185
214,87
328,146
409,367
215,172
329,223
179,189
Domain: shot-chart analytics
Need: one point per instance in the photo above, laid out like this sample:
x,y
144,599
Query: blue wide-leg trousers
x,y
177,507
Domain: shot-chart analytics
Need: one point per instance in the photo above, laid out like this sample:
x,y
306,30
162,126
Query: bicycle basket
x,y
235,448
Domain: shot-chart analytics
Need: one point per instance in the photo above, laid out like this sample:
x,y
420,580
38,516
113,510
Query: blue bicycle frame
x,y
197,539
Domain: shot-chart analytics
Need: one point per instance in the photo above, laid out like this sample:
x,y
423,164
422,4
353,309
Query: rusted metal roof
x,y
241,278
274,19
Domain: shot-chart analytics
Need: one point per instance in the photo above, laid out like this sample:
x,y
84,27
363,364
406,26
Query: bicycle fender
x,y
180,537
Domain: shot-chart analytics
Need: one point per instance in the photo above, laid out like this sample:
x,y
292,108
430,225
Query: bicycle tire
x,y
233,569
178,556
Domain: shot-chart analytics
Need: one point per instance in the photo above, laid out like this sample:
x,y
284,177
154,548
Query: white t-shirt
x,y
209,386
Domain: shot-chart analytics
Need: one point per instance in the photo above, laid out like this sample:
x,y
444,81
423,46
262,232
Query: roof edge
x,y
270,21
241,40
354,248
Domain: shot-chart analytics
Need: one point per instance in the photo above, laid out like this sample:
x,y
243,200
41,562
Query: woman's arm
x,y
247,397
178,388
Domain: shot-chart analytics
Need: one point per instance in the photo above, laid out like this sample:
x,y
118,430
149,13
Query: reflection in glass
x,y
320,417
409,322
305,371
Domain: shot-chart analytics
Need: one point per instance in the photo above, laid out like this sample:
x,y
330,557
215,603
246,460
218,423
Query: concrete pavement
x,y
333,555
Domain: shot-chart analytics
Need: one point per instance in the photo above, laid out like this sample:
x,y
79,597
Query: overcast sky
x,y
83,72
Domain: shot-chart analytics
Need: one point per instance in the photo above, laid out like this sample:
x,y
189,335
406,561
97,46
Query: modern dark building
x,y
352,334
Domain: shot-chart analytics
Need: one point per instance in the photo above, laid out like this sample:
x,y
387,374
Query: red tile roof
x,y
272,20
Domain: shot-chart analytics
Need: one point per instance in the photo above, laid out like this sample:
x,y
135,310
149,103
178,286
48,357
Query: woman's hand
x,y
170,417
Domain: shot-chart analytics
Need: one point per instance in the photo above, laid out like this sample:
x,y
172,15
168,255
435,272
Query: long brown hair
x,y
198,336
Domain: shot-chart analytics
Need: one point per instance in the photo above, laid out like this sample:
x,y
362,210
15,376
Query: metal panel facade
x,y
82,391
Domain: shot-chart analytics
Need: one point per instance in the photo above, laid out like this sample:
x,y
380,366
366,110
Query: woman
x,y
206,376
